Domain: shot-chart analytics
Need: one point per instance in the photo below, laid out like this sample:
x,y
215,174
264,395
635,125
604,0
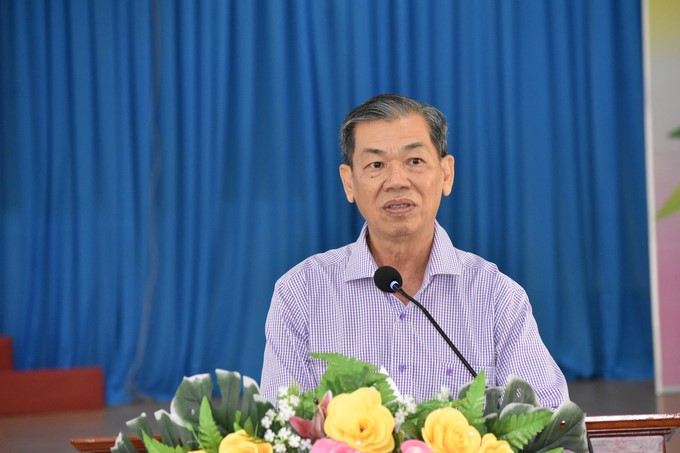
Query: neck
x,y
408,256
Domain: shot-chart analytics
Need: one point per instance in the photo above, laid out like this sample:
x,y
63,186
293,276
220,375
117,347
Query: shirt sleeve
x,y
520,350
286,351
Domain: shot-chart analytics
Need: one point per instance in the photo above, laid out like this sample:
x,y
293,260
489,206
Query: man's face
x,y
397,178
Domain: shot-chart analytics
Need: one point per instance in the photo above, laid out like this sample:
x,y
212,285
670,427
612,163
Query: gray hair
x,y
388,107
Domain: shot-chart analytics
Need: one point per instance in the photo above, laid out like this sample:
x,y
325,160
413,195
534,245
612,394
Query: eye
x,y
375,165
416,161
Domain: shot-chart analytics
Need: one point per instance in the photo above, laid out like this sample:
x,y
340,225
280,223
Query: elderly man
x,y
396,169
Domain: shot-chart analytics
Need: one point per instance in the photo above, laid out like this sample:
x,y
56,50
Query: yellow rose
x,y
361,421
241,442
447,431
491,445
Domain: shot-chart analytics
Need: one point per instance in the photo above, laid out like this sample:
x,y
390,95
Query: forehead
x,y
403,126
392,134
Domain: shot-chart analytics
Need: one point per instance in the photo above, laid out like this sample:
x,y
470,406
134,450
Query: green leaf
x,y
237,421
123,445
671,206
209,436
229,383
249,426
517,390
140,424
472,402
493,400
171,433
186,404
676,133
411,430
519,423
345,375
153,446
413,425
566,429
249,406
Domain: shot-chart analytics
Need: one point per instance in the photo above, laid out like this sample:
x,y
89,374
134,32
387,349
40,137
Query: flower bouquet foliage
x,y
356,408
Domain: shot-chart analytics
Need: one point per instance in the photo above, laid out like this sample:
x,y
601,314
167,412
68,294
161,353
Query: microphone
x,y
389,280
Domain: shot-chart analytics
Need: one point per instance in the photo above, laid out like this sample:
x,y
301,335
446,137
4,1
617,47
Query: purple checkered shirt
x,y
329,303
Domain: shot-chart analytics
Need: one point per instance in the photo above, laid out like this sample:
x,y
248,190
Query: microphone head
x,y
386,277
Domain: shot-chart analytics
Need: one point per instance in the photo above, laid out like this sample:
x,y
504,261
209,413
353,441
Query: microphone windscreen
x,y
384,277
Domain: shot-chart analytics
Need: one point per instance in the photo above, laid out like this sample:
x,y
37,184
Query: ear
x,y
346,177
447,164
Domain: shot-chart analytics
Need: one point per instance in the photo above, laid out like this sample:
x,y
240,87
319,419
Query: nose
x,y
396,177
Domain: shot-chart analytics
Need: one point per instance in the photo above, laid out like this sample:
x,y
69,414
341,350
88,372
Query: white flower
x,y
283,392
280,448
399,417
284,434
269,436
306,444
444,394
294,400
285,413
271,413
294,441
410,404
266,422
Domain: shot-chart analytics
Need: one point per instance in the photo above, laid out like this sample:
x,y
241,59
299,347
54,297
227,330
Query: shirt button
x,y
449,371
402,367
402,316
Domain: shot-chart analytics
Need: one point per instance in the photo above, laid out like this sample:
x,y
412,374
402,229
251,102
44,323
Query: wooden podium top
x,y
631,424
623,433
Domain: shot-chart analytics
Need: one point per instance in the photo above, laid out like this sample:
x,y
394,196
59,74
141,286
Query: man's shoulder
x,y
475,263
449,259
478,270
327,263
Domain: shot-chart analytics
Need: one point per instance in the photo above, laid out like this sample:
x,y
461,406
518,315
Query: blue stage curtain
x,y
163,163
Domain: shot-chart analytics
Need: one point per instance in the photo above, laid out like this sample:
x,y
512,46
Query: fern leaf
x,y
346,374
209,436
472,403
519,423
566,429
154,446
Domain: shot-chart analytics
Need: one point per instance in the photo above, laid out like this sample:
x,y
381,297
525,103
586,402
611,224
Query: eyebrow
x,y
414,145
405,148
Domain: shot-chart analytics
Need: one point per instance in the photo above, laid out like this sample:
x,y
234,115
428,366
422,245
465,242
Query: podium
x,y
632,433
621,434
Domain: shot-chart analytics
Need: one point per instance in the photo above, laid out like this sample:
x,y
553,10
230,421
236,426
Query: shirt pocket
x,y
454,375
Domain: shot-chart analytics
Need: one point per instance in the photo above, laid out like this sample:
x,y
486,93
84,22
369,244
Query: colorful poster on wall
x,y
662,90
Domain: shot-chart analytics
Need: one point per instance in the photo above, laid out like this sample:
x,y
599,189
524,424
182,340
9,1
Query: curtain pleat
x,y
164,162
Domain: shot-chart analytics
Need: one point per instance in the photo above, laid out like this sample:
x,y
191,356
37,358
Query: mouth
x,y
398,206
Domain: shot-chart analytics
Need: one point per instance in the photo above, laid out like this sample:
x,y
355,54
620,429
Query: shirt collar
x,y
443,257
361,263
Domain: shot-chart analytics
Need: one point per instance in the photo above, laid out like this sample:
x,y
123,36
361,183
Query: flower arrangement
x,y
356,408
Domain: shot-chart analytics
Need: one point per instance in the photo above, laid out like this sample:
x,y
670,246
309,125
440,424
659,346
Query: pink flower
x,y
415,446
328,445
313,429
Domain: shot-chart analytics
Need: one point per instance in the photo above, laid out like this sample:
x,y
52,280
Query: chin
x,y
400,230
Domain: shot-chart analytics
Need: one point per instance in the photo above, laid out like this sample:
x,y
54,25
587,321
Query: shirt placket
x,y
402,363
